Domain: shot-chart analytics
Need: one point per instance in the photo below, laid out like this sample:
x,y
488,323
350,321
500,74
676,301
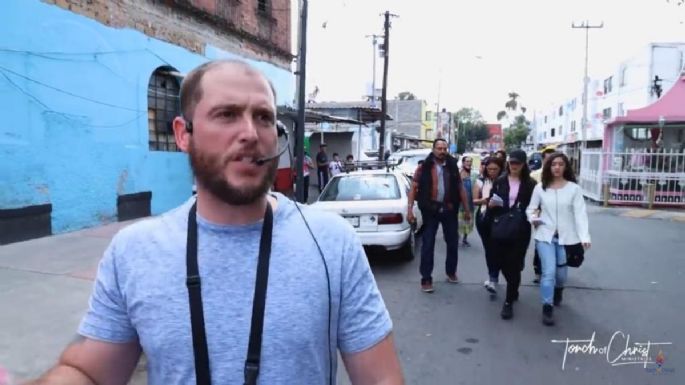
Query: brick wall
x,y
233,25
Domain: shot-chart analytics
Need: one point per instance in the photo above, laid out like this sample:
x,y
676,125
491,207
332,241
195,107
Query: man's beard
x,y
209,171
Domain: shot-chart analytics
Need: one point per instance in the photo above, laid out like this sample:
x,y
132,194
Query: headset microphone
x,y
280,128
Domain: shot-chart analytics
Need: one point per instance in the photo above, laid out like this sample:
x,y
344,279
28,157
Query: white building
x,y
629,86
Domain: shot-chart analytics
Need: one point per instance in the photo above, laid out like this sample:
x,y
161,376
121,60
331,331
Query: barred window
x,y
162,107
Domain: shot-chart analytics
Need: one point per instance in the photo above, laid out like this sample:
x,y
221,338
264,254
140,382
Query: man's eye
x,y
265,118
227,114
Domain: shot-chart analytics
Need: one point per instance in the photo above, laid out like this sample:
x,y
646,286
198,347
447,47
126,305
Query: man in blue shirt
x,y
317,301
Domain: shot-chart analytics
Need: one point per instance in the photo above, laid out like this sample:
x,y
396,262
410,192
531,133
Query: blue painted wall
x,y
73,98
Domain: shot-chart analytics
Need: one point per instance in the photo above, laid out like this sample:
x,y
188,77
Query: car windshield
x,y
361,188
412,162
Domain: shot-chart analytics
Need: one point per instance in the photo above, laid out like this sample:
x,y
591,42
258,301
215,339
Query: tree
x,y
406,95
470,128
519,127
513,137
512,106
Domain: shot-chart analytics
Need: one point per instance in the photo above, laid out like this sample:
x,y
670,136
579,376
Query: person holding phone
x,y
562,220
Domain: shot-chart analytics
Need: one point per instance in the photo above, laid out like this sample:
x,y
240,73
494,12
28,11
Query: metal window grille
x,y
262,6
163,106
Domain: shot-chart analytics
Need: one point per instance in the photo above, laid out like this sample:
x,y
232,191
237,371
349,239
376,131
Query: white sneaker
x,y
490,286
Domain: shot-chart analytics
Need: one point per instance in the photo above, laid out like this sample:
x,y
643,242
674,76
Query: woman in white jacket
x,y
557,211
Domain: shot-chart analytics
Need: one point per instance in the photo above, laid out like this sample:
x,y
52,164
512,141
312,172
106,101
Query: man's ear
x,y
181,133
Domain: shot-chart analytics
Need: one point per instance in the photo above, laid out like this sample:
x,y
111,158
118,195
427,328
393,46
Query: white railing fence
x,y
634,176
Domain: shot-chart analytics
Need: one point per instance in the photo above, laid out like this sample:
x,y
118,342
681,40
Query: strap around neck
x,y
193,282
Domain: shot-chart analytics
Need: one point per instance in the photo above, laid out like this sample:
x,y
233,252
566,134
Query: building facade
x,y
496,140
92,87
629,86
407,116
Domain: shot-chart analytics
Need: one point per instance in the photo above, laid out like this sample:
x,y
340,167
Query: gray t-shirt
x,y
441,182
140,293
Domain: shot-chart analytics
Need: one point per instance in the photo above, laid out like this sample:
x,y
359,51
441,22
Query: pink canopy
x,y
671,106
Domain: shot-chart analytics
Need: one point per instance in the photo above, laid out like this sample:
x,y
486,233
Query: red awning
x,y
671,107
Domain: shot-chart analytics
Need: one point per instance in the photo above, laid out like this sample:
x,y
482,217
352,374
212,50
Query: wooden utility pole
x,y
384,94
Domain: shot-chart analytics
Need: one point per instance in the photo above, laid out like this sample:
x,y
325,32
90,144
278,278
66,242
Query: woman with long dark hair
x,y
493,168
562,221
510,231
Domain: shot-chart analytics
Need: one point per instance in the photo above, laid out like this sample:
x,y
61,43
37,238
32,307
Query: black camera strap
x,y
197,320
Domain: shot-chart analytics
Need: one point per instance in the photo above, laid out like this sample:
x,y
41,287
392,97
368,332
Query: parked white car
x,y
375,204
408,160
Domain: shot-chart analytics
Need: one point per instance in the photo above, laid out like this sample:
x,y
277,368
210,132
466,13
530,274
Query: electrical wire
x,y
71,117
5,70
3,49
15,85
328,281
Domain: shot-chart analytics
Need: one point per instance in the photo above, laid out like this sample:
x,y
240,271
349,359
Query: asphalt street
x,y
628,288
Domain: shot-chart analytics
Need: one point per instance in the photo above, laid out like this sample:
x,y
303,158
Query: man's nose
x,y
248,129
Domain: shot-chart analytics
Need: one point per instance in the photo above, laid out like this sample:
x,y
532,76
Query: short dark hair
x,y
335,154
438,140
191,89
547,177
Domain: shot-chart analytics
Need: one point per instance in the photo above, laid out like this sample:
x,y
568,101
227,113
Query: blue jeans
x,y
450,230
554,270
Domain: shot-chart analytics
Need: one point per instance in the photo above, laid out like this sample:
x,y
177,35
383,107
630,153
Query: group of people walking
x,y
510,206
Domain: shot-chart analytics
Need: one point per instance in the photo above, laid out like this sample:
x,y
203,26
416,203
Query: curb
x,y
641,213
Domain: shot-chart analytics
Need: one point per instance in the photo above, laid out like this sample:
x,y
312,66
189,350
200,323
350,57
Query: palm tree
x,y
512,105
406,95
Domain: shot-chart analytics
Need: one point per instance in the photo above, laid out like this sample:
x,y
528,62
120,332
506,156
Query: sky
x,y
472,53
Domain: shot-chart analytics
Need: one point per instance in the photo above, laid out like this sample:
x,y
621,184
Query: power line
x,y
5,70
71,117
65,115
3,49
15,85
384,94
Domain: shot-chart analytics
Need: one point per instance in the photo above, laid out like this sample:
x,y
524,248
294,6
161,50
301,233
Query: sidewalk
x,y
672,214
45,284
44,288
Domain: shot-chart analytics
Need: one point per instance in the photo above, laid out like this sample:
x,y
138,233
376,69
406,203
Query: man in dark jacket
x,y
438,190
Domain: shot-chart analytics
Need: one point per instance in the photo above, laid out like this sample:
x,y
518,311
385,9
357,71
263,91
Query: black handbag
x,y
509,226
575,255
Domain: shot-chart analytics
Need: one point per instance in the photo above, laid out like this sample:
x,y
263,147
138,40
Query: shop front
x,y
642,160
